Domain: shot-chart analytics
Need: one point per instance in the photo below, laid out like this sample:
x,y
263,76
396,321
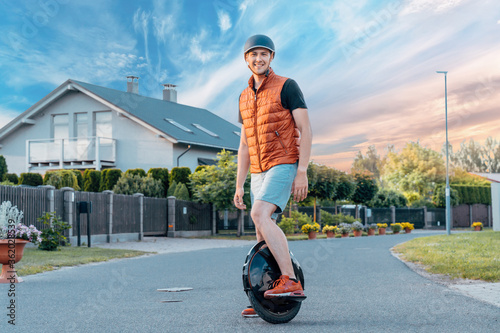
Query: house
x,y
84,126
494,178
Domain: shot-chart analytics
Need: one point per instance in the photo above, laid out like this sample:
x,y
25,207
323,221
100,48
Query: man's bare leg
x,y
273,235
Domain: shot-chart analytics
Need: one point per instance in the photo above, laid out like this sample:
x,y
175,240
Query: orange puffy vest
x,y
269,127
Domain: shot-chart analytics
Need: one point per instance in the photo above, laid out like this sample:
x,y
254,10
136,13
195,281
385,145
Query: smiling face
x,y
259,60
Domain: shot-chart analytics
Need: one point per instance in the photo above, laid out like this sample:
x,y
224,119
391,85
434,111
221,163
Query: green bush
x,y
91,180
288,225
11,177
181,192
79,177
301,218
31,178
46,176
136,172
53,235
162,175
327,218
131,184
109,180
388,198
341,218
3,167
439,198
200,167
62,178
7,183
171,189
180,175
102,186
422,203
473,194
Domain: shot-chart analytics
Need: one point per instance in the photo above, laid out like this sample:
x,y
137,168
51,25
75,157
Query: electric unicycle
x,y
259,272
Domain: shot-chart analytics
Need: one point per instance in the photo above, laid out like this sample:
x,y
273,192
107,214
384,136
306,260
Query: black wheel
x,y
267,310
259,273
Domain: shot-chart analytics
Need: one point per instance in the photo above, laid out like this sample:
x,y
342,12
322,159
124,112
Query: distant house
x,y
83,126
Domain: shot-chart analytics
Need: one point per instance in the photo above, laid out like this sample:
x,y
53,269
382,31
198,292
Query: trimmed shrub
x,y
162,175
31,178
326,218
91,180
199,168
3,167
7,183
104,173
138,172
181,192
180,175
131,184
46,176
473,194
79,177
62,178
11,177
109,179
171,189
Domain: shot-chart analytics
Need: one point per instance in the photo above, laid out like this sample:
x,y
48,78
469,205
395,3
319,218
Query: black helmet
x,y
259,41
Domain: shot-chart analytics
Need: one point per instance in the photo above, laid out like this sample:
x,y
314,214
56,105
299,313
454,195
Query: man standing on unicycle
x,y
273,113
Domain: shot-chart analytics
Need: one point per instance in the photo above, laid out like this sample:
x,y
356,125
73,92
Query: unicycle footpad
x,y
259,272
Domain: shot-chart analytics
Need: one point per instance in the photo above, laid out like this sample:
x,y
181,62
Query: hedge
x,y
180,175
471,194
62,178
109,178
11,177
31,178
162,175
136,172
91,180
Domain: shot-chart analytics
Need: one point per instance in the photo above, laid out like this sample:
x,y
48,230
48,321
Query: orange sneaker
x,y
249,312
284,287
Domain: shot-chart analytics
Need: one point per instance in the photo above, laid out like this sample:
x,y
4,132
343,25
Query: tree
x,y
414,169
439,198
322,182
345,187
3,167
216,184
388,198
474,157
366,188
371,162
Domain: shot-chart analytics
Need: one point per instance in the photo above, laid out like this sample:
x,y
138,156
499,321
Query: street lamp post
x,y
448,212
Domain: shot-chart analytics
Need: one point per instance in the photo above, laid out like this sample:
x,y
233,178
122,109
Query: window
x,y
102,124
81,125
198,126
60,126
173,122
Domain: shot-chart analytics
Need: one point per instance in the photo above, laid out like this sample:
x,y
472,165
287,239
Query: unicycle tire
x,y
272,317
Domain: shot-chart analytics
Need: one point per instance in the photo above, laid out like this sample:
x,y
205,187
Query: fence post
x,y
171,217
109,214
214,219
365,217
470,215
69,207
393,214
489,215
141,214
425,217
49,194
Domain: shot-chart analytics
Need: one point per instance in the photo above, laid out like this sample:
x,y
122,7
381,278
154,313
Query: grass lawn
x,y
37,261
474,255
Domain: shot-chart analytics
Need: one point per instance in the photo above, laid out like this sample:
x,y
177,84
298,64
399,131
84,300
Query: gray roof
x,y
154,111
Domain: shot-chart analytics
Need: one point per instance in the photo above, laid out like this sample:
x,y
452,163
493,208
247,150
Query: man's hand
x,y
300,186
238,199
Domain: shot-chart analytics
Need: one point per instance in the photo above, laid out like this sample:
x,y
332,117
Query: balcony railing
x,y
71,152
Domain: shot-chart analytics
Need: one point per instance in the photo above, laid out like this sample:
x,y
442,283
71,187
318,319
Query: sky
x,y
367,68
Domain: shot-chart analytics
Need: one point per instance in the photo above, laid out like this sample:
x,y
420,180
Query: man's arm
x,y
243,166
299,187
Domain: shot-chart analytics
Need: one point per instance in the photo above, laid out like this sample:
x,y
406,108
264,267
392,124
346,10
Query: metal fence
x,y
192,216
155,216
32,201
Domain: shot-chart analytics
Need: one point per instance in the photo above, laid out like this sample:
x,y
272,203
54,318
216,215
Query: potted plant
x,y
311,229
329,230
477,226
13,237
370,230
357,228
344,229
407,226
381,228
396,228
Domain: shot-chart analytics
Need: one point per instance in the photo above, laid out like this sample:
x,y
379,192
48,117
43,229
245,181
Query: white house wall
x,y
190,159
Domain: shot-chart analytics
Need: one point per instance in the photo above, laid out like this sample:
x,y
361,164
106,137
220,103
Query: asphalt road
x,y
353,285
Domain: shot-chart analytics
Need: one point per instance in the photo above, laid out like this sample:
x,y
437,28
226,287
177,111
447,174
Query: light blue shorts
x,y
274,186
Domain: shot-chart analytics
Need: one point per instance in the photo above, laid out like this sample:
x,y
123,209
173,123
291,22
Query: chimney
x,y
169,92
133,86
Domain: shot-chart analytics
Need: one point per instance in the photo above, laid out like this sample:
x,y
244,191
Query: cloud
x,y
224,20
7,115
